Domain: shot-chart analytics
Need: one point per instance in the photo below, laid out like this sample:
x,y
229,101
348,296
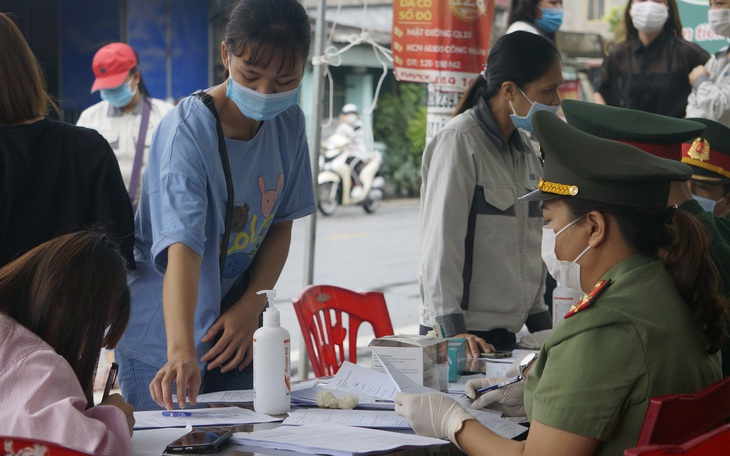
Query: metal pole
x,y
315,138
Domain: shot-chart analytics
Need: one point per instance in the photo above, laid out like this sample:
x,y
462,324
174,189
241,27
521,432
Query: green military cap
x,y
591,168
709,153
659,135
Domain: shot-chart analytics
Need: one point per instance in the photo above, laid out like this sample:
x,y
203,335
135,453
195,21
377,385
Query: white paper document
x,y
199,417
152,442
235,396
331,439
459,385
385,419
373,389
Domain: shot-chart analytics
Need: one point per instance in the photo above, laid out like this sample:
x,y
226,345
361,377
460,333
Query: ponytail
x,y
682,244
687,257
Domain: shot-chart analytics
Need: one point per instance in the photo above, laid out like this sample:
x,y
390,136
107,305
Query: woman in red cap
x,y
126,123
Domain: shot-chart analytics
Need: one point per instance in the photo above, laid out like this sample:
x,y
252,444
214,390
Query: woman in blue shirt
x,y
178,332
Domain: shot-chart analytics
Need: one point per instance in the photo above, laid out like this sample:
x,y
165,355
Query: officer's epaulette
x,y
589,298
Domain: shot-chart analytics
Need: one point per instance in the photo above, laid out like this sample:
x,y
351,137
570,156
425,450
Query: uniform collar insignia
x,y
589,298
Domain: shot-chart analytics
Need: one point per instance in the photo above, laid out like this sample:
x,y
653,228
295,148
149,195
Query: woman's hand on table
x,y
475,345
183,369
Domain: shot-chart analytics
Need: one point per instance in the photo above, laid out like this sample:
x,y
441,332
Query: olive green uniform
x,y
598,369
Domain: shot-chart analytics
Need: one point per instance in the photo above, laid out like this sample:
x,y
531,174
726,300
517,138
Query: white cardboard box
x,y
424,359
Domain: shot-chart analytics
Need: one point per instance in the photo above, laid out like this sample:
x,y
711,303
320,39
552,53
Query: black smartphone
x,y
496,355
200,440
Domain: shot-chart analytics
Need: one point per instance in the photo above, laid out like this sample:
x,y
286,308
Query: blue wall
x,y
87,25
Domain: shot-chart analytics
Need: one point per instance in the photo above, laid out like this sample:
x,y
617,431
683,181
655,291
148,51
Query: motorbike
x,y
335,181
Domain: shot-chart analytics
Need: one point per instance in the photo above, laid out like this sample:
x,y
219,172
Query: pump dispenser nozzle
x,y
271,313
270,296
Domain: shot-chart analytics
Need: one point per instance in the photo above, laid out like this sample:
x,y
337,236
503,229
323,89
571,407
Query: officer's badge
x,y
699,150
589,298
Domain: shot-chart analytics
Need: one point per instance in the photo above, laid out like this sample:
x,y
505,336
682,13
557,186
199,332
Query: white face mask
x,y
648,16
719,20
566,273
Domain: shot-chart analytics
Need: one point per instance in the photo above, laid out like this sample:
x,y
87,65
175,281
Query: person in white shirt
x,y
710,96
118,117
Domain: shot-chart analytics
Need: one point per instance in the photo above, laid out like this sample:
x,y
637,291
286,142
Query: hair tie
x,y
669,214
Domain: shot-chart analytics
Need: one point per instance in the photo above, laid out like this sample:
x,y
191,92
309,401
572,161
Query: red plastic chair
x,y
714,443
13,446
321,311
677,418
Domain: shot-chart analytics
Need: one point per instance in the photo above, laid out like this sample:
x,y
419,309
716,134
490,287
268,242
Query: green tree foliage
x,y
400,123
616,26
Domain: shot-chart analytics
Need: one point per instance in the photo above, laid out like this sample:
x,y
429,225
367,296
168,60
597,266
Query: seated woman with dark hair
x,y
56,303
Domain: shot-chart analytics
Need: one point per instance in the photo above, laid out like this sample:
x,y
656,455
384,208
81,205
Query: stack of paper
x,y
149,419
331,439
384,419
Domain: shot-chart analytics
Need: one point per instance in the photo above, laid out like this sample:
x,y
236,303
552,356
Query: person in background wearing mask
x,y
195,305
649,70
709,157
710,97
652,320
350,127
127,115
481,277
543,17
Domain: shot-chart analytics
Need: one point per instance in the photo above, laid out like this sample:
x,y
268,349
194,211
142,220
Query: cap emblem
x,y
558,189
699,150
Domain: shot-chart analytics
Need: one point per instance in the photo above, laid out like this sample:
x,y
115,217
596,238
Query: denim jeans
x,y
134,380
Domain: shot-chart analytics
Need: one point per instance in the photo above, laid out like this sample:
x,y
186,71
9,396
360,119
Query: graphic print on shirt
x,y
249,228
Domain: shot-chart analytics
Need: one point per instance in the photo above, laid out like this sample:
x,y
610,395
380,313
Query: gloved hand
x,y
510,400
432,414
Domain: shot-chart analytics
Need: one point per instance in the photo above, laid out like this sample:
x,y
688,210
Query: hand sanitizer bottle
x,y
271,361
563,299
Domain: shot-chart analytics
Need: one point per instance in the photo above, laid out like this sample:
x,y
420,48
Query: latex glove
x,y
510,400
534,341
432,414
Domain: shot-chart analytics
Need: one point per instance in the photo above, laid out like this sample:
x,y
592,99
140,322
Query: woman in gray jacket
x,y
481,276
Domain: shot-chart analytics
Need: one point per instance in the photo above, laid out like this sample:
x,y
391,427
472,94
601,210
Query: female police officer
x,y
654,303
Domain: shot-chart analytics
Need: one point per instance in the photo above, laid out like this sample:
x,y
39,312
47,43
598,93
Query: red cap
x,y
111,65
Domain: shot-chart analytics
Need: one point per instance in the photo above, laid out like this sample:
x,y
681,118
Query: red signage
x,y
442,42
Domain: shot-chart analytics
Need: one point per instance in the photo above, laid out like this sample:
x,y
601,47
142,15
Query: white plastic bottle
x,y
563,299
271,361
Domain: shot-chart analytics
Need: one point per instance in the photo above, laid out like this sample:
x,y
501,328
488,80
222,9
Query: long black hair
x,y
684,248
522,10
673,24
519,57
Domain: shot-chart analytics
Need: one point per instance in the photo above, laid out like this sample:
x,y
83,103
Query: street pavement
x,y
361,252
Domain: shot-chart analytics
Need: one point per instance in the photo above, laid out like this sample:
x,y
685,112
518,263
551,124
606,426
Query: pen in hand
x,y
110,380
499,385
525,364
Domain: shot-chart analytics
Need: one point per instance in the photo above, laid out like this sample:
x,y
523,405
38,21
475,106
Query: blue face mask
x,y
260,106
525,122
551,20
706,203
119,97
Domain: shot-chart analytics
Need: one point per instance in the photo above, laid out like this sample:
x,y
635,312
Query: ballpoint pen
x,y
499,385
176,413
525,363
110,380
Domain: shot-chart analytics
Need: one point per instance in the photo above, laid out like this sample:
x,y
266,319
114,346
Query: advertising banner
x,y
695,27
441,42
